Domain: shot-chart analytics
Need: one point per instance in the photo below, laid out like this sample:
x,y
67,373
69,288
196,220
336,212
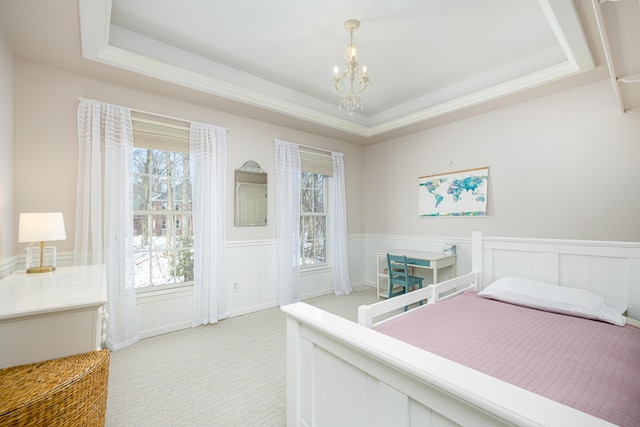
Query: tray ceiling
x,y
429,60
424,58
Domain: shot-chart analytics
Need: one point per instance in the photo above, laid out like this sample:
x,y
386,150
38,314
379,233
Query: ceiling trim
x,y
95,16
150,67
546,75
94,26
564,22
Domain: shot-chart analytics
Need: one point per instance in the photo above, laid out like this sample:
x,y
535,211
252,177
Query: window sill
x,y
164,290
314,268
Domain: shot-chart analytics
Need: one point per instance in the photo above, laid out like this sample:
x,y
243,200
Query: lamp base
x,y
40,260
40,269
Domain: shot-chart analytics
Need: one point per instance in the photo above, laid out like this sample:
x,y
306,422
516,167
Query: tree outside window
x,y
313,219
162,218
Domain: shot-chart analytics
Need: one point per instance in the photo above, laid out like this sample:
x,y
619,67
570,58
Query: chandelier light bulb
x,y
356,78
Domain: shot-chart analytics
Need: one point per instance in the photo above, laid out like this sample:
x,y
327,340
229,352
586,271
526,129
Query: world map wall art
x,y
462,193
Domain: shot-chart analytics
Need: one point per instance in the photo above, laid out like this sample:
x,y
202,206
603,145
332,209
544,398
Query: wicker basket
x,y
71,391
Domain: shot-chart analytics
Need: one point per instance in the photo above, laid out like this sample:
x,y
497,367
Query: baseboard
x,y
268,305
252,309
316,294
165,329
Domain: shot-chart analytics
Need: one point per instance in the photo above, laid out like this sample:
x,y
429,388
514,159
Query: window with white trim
x,y
317,169
313,219
162,203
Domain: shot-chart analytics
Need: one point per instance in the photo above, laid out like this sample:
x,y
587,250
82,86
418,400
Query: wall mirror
x,y
251,195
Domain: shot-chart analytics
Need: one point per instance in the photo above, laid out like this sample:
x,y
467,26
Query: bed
x,y
342,373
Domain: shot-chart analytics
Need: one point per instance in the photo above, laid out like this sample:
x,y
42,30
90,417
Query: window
x,y
313,219
162,215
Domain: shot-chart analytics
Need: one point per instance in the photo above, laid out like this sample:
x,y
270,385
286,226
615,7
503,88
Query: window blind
x,y
316,161
159,133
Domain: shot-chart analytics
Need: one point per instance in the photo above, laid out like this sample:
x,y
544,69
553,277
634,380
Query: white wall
x,y
8,220
46,145
46,170
562,166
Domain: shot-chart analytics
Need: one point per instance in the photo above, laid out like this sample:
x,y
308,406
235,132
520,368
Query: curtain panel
x,y
338,242
104,215
208,154
287,161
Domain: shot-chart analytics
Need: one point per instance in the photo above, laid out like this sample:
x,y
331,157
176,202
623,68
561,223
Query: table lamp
x,y
41,226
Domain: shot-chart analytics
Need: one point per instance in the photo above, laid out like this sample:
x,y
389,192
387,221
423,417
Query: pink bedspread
x,y
589,365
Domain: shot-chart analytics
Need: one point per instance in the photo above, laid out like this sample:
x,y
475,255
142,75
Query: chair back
x,y
398,270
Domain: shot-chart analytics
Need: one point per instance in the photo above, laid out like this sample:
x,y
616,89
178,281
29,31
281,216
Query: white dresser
x,y
49,315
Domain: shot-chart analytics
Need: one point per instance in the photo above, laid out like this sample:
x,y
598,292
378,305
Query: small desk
x,y
433,261
44,316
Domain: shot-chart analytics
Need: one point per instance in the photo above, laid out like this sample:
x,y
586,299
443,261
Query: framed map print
x,y
462,193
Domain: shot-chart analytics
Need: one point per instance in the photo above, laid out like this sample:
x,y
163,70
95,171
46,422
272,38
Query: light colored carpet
x,y
228,374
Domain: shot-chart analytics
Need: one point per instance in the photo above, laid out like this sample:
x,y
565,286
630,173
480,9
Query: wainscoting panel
x,y
251,276
251,286
9,265
379,243
315,282
16,262
160,312
357,260
613,269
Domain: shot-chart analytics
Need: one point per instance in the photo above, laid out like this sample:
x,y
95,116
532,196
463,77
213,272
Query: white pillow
x,y
557,299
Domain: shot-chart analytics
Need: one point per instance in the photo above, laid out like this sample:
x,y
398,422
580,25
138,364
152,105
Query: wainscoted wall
x,y
163,311
252,284
251,278
251,267
610,269
7,266
382,244
16,262
357,258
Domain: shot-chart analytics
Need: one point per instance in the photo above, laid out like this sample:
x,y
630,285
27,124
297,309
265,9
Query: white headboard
x,y
611,269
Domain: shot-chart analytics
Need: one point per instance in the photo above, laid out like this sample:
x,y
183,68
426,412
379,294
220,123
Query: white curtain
x,y
104,215
287,221
338,244
209,170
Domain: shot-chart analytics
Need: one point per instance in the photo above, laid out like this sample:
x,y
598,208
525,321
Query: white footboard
x,y
340,373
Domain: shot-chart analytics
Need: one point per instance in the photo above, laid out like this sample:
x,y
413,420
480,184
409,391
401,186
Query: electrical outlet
x,y
235,287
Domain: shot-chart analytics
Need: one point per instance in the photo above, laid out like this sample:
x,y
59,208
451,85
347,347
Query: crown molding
x,y
95,17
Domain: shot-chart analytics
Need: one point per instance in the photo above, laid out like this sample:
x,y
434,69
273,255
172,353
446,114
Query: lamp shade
x,y
41,226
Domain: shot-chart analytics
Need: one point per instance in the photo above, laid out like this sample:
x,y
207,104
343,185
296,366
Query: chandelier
x,y
353,78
